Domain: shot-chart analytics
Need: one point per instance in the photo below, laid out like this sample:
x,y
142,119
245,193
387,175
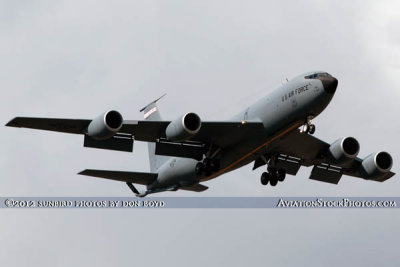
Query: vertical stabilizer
x,y
152,113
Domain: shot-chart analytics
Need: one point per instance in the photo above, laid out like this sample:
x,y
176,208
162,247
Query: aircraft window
x,y
324,74
314,76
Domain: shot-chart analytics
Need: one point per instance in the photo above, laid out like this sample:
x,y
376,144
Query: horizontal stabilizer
x,y
195,188
143,178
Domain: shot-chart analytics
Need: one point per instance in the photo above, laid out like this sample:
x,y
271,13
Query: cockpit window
x,y
318,75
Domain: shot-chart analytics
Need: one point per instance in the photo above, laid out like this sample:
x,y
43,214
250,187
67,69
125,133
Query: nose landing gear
x,y
308,127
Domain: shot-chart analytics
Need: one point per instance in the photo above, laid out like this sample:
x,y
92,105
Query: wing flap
x,y
147,131
326,174
143,178
117,143
290,164
300,145
184,150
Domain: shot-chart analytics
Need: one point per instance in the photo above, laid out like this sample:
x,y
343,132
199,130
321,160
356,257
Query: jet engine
x,y
105,126
344,150
377,164
184,127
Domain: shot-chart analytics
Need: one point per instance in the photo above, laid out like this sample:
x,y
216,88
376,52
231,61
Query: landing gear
x,y
199,168
265,177
273,176
312,129
274,179
308,127
208,166
212,164
281,175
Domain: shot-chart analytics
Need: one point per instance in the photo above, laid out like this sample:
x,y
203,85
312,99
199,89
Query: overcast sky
x,y
77,59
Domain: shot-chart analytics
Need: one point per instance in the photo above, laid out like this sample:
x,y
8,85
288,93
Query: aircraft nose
x,y
330,84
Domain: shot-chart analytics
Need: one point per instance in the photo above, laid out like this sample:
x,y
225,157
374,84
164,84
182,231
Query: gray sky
x,y
78,59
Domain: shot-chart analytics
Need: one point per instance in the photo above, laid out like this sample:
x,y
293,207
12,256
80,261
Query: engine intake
x,y
184,127
377,164
344,150
106,125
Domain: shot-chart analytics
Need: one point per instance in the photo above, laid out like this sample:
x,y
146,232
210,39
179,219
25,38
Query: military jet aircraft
x,y
275,131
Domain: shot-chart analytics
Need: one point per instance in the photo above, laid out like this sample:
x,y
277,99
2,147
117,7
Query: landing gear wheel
x,y
265,177
210,166
311,129
273,179
199,168
281,175
306,128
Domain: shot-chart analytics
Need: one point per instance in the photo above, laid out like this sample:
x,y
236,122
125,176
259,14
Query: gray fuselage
x,y
283,110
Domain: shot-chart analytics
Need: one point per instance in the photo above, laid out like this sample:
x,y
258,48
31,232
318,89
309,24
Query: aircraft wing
x,y
220,133
296,149
300,145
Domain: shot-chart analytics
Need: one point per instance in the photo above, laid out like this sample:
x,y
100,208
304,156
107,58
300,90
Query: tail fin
x,y
152,113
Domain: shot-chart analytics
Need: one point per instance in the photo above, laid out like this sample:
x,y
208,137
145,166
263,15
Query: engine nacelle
x,y
344,150
105,126
377,164
184,127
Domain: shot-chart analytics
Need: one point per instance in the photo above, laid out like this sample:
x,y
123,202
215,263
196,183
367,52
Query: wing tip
x,y
83,172
13,123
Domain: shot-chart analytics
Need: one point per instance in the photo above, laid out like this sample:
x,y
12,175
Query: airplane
x,y
276,131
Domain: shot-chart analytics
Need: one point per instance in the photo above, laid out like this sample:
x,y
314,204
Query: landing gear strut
x,y
208,166
308,127
199,168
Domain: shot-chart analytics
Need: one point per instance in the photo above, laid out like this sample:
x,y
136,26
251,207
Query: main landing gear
x,y
273,176
308,127
208,166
